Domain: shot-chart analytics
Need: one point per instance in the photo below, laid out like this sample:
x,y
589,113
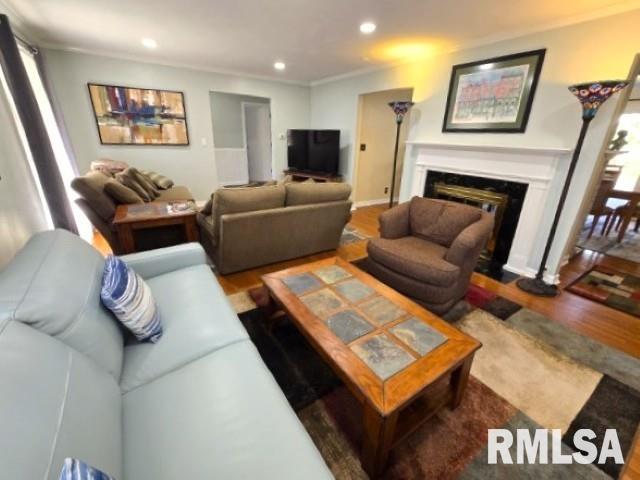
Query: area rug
x,y
611,287
351,235
628,249
530,373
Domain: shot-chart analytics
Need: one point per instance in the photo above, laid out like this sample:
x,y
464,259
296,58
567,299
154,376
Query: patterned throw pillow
x,y
74,469
128,296
160,181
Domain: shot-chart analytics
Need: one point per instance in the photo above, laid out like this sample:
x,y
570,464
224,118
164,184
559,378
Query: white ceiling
x,y
316,38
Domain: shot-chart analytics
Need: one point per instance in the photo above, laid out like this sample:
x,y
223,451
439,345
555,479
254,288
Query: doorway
x,y
241,138
376,141
257,140
612,225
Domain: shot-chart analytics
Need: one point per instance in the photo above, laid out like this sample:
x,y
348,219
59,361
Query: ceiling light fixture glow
x,y
149,43
368,27
279,66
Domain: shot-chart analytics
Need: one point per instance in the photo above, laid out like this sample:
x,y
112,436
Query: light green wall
x,y
226,118
193,165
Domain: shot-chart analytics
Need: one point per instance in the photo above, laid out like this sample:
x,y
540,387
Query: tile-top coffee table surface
x,y
394,337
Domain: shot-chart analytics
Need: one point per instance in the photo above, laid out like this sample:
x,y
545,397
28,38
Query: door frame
x,y
243,106
601,164
358,153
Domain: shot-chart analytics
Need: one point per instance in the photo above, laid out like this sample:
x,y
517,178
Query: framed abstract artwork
x,y
493,95
139,116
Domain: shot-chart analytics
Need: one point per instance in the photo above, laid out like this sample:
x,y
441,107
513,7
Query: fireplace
x,y
502,198
534,172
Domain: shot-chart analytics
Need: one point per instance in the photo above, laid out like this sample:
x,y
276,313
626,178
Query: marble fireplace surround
x,y
542,169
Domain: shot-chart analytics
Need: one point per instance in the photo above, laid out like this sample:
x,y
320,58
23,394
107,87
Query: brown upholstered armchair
x,y
428,250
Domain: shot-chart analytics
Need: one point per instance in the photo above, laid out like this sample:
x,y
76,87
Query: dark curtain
x,y
34,129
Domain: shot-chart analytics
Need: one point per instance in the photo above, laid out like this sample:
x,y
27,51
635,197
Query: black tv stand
x,y
300,176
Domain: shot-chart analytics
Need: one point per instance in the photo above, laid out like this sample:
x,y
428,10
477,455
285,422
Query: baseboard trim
x,y
531,273
369,203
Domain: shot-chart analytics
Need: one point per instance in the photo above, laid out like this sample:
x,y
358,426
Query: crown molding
x,y
165,63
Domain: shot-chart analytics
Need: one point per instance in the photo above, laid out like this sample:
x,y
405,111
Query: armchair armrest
x,y
470,242
394,223
164,260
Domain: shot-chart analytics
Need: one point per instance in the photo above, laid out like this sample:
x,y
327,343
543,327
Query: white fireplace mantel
x,y
537,167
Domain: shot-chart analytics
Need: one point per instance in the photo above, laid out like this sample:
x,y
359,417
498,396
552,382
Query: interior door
x,y
257,124
377,136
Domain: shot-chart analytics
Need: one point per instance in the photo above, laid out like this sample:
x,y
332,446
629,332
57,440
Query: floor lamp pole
x,y
537,285
591,96
395,161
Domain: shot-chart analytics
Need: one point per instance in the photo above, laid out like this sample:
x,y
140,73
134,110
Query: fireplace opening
x,y
502,198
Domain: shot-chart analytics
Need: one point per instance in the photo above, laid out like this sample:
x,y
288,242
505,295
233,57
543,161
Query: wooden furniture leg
x,y
459,380
626,219
377,439
593,225
127,242
191,229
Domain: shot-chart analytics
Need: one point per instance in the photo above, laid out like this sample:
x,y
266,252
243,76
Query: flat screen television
x,y
313,151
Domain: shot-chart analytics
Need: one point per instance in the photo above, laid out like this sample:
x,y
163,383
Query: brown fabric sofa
x,y
428,250
100,207
249,227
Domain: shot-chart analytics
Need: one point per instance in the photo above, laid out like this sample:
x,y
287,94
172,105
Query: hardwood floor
x,y
611,327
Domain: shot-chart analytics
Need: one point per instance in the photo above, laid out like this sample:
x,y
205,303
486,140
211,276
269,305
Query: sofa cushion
x,y
129,181
303,193
121,194
55,403
144,182
175,194
440,221
91,188
53,284
239,200
160,181
197,319
128,296
414,257
222,416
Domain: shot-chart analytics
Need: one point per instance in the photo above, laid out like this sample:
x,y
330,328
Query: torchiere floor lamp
x,y
400,109
591,95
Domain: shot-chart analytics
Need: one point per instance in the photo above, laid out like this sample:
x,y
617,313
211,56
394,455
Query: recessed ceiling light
x,y
368,27
279,66
149,43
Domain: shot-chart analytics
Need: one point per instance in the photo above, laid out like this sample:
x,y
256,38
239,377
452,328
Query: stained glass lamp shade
x,y
593,94
400,109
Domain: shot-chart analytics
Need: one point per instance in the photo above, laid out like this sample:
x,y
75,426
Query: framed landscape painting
x,y
493,95
138,116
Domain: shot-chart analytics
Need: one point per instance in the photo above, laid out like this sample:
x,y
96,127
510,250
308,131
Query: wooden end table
x,y
139,216
400,361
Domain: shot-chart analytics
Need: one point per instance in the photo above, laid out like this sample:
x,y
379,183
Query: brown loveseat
x,y
428,250
100,207
249,227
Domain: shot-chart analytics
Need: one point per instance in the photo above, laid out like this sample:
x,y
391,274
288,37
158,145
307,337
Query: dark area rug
x,y
531,373
611,287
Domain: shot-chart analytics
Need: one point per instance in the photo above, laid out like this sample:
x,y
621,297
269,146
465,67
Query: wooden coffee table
x,y
139,216
400,361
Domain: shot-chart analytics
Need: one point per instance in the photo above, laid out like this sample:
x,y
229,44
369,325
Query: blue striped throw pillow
x,y
74,469
127,295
